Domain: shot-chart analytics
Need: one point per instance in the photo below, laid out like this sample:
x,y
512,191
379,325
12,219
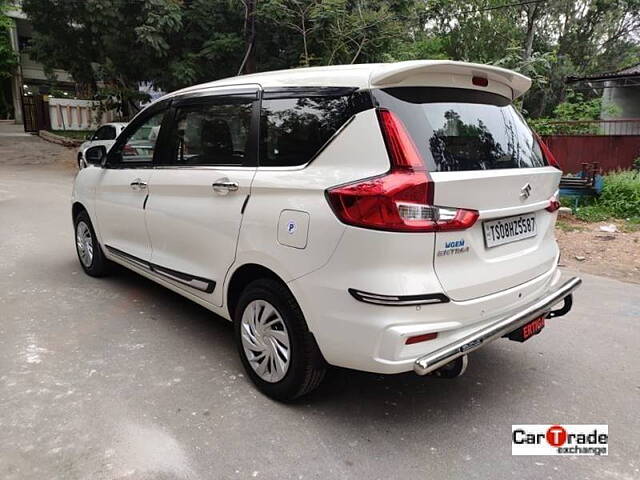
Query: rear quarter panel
x,y
357,152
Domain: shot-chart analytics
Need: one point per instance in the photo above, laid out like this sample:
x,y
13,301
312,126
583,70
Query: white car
x,y
104,136
384,217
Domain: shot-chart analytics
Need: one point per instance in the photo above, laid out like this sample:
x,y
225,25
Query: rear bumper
x,y
541,307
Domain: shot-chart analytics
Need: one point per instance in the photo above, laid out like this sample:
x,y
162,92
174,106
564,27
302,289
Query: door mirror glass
x,y
95,155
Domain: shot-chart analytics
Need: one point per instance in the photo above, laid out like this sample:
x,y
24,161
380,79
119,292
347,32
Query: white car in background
x,y
385,217
105,136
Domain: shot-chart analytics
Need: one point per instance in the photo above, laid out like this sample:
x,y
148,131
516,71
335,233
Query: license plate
x,y
509,229
527,331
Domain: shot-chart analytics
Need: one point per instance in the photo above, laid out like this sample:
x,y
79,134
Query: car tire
x,y
89,252
258,331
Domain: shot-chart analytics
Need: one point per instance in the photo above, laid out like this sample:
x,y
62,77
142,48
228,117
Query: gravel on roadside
x,y
587,248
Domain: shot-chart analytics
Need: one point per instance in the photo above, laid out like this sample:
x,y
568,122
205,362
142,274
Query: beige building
x,y
30,77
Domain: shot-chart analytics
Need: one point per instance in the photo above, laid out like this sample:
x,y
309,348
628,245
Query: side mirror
x,y
96,155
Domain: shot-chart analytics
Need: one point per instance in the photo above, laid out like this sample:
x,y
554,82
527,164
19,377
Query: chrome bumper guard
x,y
432,361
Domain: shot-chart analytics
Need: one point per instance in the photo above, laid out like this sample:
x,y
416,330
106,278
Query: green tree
x,y
174,43
547,40
209,45
8,58
117,43
574,108
110,46
328,32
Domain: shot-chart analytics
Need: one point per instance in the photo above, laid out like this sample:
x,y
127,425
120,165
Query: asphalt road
x,y
118,378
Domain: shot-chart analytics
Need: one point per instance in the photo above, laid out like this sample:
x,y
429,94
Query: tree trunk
x,y
304,43
250,37
532,16
248,64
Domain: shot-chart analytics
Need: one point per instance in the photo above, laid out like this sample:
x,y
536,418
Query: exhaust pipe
x,y
454,368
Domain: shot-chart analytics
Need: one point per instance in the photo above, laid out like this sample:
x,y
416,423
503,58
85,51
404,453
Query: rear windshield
x,y
457,129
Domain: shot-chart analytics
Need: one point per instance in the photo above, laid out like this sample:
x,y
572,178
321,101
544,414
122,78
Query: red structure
x,y
615,145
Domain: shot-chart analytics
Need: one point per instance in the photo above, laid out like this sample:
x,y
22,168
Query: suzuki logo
x,y
525,191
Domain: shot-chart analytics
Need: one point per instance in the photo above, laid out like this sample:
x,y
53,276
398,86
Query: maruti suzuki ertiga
x,y
382,217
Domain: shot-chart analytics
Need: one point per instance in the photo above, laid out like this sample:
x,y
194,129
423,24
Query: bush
x,y
575,202
592,213
575,107
620,194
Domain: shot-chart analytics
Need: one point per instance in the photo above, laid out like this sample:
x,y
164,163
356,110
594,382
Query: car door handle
x,y
138,184
224,186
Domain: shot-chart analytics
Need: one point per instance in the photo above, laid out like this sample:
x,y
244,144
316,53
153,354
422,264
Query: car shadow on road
x,y
492,370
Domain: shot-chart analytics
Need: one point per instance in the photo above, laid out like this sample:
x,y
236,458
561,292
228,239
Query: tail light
x,y
400,200
551,160
554,204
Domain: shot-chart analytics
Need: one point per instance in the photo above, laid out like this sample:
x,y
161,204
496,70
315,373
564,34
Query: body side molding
x,y
199,283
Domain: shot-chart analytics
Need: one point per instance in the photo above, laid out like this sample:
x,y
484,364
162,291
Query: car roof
x,y
379,75
114,124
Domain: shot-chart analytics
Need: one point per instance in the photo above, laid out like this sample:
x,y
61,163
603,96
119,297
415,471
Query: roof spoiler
x,y
448,73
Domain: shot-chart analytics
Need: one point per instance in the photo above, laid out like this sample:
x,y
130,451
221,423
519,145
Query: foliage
x,y
620,198
620,195
328,32
546,40
8,59
421,47
537,66
117,43
592,213
636,163
174,43
574,202
574,108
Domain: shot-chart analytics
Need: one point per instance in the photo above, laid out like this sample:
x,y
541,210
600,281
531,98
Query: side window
x,y
140,145
212,134
105,133
293,130
100,134
110,133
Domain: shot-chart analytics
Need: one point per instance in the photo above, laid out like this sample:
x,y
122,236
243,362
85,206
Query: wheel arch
x,y
76,208
241,277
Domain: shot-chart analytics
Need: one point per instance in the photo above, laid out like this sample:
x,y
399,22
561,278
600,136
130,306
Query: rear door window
x,y
294,129
458,129
212,134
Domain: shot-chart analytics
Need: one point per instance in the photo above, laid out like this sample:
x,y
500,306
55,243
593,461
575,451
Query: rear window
x,y
296,127
457,129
